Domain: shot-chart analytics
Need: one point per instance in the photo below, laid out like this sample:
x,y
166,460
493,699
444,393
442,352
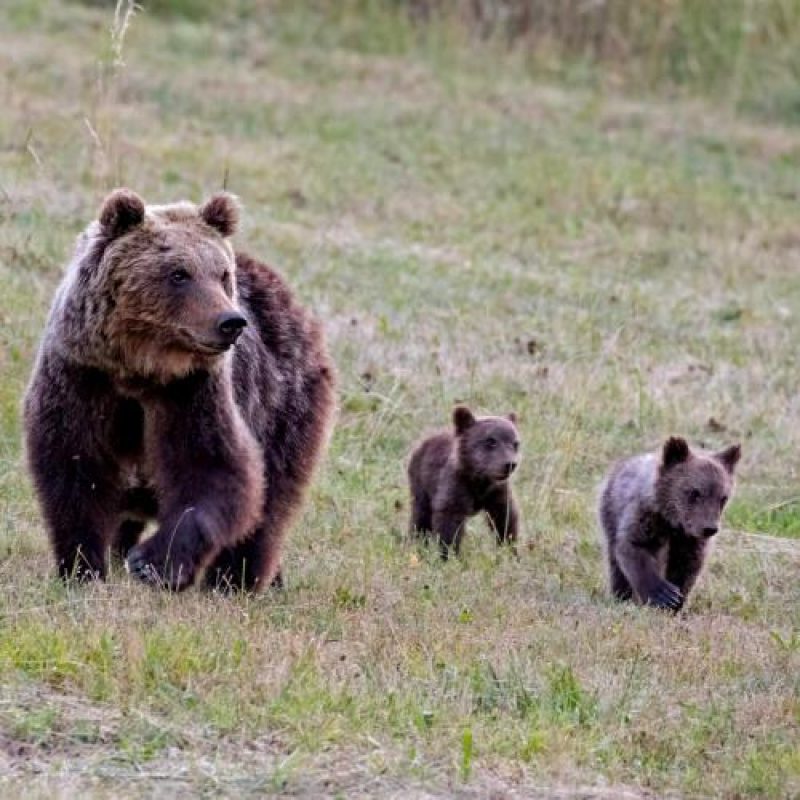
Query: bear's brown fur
x,y
658,514
140,406
457,473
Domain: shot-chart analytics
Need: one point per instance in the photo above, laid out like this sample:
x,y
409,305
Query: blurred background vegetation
x,y
582,211
744,54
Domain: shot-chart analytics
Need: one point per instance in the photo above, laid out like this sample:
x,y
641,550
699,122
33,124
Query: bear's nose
x,y
709,532
510,467
230,325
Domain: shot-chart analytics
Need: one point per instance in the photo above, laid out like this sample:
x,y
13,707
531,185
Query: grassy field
x,y
613,269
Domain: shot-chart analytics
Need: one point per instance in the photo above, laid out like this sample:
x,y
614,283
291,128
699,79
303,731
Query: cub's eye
x,y
490,443
515,445
694,496
723,500
226,278
179,276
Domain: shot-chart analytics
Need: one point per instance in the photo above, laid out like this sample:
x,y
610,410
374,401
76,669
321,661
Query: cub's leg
x,y
503,517
620,587
421,515
449,525
633,551
641,569
685,563
618,584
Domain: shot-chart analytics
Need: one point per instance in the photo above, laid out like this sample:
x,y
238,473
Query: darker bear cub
x,y
659,514
455,474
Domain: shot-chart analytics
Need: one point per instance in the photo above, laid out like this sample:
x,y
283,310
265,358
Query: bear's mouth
x,y
206,348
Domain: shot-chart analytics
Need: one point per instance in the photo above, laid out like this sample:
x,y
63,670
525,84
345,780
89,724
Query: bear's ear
x,y
463,419
729,457
122,210
511,417
221,212
676,451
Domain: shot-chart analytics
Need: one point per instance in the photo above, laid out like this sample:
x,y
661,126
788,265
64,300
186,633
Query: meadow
x,y
615,264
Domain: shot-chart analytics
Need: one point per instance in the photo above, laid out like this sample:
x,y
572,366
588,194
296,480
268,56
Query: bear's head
x,y
692,487
152,290
488,447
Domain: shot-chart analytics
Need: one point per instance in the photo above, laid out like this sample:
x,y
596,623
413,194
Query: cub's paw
x,y
667,596
146,563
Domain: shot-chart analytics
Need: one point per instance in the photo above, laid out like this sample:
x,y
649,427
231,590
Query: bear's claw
x,y
666,595
141,567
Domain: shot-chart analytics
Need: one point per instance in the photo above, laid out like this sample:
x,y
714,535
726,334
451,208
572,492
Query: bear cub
x,y
659,513
455,474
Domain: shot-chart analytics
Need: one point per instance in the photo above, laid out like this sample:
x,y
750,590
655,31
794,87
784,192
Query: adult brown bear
x,y
180,381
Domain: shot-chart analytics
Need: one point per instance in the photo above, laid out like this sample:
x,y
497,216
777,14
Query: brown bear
x,y
455,474
178,381
659,513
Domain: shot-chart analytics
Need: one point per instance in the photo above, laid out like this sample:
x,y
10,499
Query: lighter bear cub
x,y
181,382
659,513
456,474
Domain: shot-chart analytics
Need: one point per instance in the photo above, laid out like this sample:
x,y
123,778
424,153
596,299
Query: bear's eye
x,y
179,276
515,446
694,496
723,500
490,443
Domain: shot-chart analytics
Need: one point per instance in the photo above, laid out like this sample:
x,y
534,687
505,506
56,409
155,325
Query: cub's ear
x,y
122,210
221,212
729,457
463,419
675,451
511,417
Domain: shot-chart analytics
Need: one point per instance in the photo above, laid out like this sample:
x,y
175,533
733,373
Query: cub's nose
x,y
230,325
709,532
510,467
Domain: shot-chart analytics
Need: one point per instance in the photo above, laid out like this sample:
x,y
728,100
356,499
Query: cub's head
x,y
693,487
488,447
159,283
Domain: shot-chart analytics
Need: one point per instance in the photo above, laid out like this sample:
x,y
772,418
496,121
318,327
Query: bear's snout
x,y
230,326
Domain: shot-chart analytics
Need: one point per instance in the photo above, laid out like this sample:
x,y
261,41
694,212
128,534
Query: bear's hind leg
x,y
239,568
421,516
618,583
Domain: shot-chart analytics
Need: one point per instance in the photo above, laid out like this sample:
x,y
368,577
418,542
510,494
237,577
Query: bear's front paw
x,y
667,596
147,564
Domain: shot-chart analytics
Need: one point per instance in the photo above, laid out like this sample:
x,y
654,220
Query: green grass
x,y
612,269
